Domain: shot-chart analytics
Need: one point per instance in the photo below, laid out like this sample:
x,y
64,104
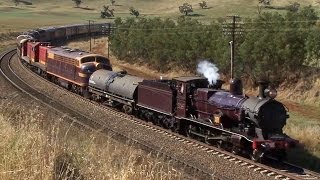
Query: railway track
x,y
276,171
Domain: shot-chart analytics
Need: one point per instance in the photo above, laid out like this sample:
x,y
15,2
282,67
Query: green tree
x,y
203,4
185,9
294,7
112,2
134,12
77,2
106,12
265,2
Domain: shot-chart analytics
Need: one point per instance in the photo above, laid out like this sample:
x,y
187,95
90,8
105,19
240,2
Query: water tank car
x,y
114,88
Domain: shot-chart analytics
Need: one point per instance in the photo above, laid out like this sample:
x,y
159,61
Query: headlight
x,y
272,93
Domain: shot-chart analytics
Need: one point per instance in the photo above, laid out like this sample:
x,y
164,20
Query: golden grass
x,y
32,147
59,12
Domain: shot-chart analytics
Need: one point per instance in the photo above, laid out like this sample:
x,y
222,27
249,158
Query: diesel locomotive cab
x,y
91,63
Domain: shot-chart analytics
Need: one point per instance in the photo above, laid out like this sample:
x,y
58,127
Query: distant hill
x,y
164,8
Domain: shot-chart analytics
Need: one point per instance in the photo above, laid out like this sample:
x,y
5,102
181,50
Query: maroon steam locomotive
x,y
228,119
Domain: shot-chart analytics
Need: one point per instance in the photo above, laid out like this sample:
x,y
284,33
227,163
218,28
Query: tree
x,y
134,12
112,2
107,12
16,2
265,2
77,2
294,7
203,4
186,9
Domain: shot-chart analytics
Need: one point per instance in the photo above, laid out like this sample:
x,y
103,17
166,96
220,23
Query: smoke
x,y
209,70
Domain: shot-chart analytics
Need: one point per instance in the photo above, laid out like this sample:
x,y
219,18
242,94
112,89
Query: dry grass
x,y
306,130
59,12
35,148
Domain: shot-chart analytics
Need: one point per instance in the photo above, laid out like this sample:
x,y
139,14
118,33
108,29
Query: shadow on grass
x,y
87,8
207,7
25,2
195,15
302,157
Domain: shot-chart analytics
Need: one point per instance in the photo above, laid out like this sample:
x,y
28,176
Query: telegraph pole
x,y
90,31
232,28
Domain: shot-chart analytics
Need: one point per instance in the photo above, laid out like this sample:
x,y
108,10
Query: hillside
x,y
57,12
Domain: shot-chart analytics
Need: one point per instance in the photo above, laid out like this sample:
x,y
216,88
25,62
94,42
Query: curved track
x,y
280,171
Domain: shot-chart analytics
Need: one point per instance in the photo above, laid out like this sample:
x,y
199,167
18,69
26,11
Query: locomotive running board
x,y
211,126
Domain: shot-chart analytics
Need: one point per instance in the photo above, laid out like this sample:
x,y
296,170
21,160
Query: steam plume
x,y
209,70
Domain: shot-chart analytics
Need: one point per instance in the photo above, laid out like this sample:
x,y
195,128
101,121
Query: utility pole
x,y
232,28
90,31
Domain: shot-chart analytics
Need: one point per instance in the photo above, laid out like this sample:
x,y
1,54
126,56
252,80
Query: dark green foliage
x,y
165,43
186,9
77,2
273,46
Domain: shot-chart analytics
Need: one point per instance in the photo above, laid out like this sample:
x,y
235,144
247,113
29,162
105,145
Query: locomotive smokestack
x,y
263,85
208,70
236,86
216,85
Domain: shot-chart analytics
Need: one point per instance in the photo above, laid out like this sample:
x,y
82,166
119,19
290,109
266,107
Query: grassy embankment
x,y
32,147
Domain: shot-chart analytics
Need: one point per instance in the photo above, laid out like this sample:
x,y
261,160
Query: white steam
x,y
209,70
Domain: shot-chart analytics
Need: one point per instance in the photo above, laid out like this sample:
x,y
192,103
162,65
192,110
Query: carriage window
x,y
88,59
102,60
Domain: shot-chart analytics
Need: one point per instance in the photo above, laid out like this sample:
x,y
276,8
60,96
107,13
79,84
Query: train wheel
x,y
235,150
127,109
219,144
188,131
206,139
256,155
175,127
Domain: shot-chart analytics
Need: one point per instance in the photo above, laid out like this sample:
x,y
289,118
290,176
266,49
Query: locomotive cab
x,y
186,87
91,63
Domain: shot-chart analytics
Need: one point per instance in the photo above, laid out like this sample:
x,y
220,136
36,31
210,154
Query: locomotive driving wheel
x,y
188,132
207,135
256,155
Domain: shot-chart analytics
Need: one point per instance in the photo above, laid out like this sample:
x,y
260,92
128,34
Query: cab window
x,y
88,59
102,60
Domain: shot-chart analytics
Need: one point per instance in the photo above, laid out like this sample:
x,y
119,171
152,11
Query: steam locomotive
x,y
188,105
